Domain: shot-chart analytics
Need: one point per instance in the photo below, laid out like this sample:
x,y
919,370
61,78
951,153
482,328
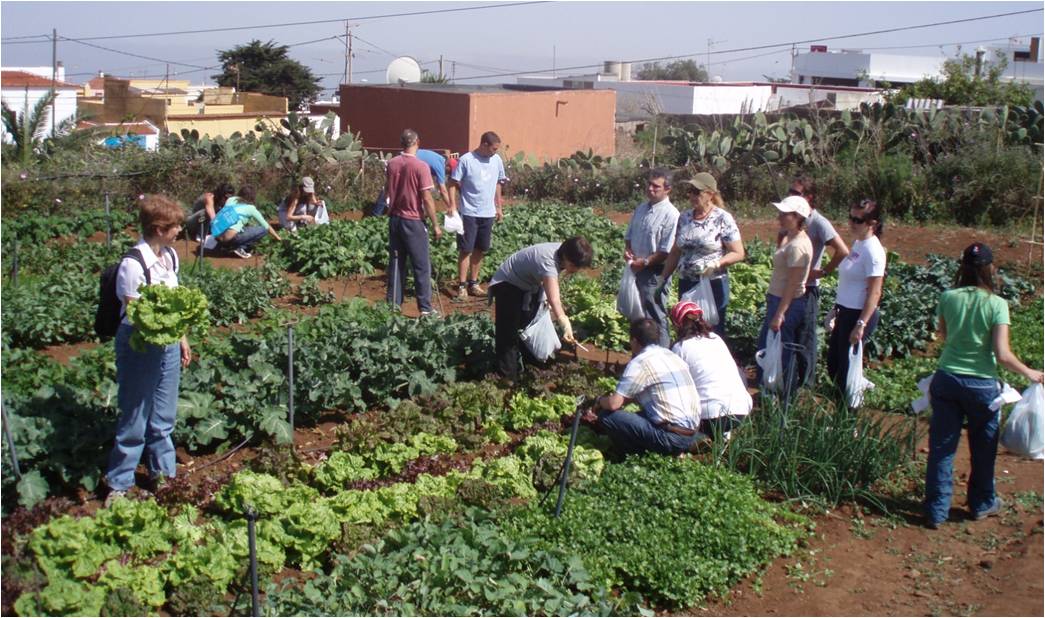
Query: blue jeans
x,y
408,238
793,318
807,336
148,401
954,399
720,290
246,238
654,305
633,434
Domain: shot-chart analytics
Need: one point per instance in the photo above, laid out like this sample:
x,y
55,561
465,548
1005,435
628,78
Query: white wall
x,y
639,97
65,105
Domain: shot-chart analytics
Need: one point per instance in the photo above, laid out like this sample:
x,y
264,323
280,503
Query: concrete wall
x,y
547,125
214,126
256,103
640,98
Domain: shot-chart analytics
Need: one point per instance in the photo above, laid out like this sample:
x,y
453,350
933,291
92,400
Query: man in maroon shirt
x,y
408,184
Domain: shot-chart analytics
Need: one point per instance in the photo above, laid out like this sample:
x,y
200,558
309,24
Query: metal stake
x,y
290,379
14,264
108,222
10,443
569,459
255,602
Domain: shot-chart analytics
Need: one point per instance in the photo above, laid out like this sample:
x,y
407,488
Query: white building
x,y
642,99
22,89
849,67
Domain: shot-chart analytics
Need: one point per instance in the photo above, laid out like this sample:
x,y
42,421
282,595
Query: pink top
x,y
408,177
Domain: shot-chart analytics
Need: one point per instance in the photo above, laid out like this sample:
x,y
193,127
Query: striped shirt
x,y
661,384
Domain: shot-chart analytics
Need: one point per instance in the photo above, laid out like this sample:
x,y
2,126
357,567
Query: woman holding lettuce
x,y
148,379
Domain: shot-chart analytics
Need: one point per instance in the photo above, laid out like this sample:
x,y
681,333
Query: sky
x,y
479,44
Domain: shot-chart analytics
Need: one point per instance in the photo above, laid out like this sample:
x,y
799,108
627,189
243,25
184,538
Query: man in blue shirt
x,y
437,165
478,178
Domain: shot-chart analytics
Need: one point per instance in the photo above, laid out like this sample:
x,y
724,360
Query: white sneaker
x,y
115,495
241,252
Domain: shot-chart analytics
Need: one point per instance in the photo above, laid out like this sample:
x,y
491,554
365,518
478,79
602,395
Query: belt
x,y
682,431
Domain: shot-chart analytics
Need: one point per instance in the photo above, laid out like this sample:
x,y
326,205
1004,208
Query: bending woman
x,y
860,277
974,322
724,401
707,241
230,226
519,285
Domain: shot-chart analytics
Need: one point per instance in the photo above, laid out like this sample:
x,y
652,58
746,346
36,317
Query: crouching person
x,y
660,382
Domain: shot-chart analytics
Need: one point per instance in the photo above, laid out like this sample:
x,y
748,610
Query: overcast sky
x,y
488,41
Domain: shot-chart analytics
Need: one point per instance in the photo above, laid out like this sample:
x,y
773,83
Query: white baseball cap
x,y
307,185
796,204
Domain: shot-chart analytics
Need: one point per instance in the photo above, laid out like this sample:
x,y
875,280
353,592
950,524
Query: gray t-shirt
x,y
820,232
527,268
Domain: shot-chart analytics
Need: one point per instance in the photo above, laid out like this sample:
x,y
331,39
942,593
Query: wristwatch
x,y
861,323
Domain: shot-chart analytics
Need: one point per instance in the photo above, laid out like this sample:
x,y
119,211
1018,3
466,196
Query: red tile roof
x,y
21,79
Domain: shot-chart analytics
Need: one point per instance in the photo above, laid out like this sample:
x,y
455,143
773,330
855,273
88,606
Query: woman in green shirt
x,y
974,322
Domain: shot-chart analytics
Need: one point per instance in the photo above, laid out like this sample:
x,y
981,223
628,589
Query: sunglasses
x,y
858,220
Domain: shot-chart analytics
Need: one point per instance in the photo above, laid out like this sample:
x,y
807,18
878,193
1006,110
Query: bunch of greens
x,y
162,315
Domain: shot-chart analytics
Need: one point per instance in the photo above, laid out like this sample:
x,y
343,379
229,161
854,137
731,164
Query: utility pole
x,y
553,61
348,53
54,77
440,67
349,58
707,63
453,70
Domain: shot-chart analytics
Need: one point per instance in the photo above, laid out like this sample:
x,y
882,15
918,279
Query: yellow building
x,y
218,112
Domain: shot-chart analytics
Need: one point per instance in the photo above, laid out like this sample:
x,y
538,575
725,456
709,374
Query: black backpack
x,y
108,316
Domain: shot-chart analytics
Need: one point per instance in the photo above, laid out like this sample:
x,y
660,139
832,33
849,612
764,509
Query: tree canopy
x,y
960,85
265,68
683,70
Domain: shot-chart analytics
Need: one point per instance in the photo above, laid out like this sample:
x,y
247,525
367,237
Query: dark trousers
x,y
720,290
792,318
408,237
514,309
807,337
653,304
838,343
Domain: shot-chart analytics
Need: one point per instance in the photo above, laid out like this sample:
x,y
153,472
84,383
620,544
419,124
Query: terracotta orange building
x,y
546,124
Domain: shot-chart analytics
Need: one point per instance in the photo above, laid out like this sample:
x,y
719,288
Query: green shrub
x,y
983,183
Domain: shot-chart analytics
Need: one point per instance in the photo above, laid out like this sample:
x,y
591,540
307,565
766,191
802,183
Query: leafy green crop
x,y
163,315
383,460
672,530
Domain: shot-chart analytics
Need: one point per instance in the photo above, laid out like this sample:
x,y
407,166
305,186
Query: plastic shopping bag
x,y
922,403
702,295
855,382
1024,432
453,223
539,336
322,217
771,361
629,302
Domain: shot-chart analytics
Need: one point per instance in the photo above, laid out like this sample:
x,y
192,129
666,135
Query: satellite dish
x,y
403,70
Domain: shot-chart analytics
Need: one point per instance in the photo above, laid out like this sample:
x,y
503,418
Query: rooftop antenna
x,y
403,70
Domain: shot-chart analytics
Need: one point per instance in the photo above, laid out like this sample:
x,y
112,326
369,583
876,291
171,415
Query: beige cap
x,y
796,204
703,181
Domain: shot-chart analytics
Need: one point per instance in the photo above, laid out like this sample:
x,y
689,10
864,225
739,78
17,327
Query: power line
x,y
762,47
299,23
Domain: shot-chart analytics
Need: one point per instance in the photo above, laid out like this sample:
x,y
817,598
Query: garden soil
x,y
856,563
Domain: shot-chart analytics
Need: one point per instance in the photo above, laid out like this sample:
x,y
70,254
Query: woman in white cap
x,y
707,241
785,300
301,207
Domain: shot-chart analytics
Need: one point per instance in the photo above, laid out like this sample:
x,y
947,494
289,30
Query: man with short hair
x,y
477,178
647,242
660,382
408,184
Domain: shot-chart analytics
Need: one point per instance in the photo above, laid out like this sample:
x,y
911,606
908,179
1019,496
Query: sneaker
x,y
241,252
462,294
114,495
932,525
431,313
476,290
990,511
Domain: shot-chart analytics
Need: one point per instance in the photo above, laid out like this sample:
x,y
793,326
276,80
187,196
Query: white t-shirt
x,y
130,276
866,259
716,376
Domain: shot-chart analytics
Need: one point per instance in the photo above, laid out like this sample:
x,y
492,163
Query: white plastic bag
x,y
322,217
771,361
1024,432
209,243
855,382
704,297
539,336
453,223
922,403
629,302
